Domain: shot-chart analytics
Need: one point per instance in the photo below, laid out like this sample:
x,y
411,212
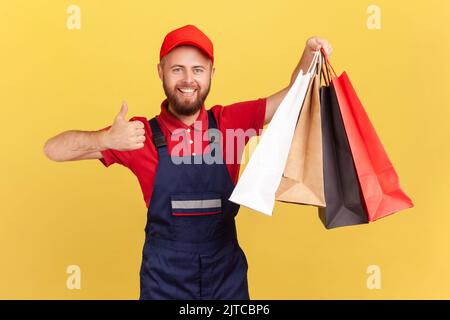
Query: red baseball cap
x,y
187,35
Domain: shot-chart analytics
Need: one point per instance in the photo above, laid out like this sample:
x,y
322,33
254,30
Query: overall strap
x,y
157,136
212,124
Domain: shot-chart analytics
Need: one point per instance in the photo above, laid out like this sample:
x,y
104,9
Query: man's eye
x,y
176,69
198,70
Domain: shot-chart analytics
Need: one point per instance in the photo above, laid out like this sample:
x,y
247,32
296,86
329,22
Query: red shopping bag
x,y
377,177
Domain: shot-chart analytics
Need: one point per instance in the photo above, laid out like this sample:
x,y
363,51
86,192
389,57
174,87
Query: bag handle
x,y
312,67
319,64
328,64
319,67
325,73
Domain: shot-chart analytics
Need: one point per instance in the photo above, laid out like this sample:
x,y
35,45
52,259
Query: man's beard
x,y
180,105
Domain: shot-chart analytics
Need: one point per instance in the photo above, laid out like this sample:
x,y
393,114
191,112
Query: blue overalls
x,y
191,249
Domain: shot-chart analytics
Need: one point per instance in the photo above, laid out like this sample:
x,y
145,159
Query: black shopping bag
x,y
343,197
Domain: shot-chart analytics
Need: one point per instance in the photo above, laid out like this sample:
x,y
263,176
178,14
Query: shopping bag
x,y
344,203
378,179
261,177
302,180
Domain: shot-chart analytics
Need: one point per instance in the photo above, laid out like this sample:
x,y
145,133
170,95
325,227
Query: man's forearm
x,y
69,145
303,64
274,100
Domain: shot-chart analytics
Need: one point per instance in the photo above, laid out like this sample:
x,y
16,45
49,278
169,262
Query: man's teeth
x,y
187,90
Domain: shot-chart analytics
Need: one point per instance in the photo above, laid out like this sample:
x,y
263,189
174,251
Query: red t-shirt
x,y
143,162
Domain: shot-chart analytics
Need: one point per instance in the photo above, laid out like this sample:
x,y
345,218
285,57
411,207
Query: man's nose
x,y
188,77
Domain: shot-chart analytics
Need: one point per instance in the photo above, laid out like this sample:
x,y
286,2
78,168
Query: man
x,y
191,249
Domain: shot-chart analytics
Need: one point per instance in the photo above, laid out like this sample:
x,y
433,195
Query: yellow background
x,y
54,79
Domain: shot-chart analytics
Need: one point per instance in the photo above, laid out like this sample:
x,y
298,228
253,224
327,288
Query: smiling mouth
x,y
187,92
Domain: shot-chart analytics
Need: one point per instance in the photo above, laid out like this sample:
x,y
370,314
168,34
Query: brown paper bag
x,y
302,180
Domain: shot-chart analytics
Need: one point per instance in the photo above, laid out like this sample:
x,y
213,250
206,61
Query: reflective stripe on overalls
x,y
191,249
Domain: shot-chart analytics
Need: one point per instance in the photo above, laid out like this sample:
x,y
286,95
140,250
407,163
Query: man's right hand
x,y
125,135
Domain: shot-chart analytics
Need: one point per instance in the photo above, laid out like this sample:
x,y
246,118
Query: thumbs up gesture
x,y
125,135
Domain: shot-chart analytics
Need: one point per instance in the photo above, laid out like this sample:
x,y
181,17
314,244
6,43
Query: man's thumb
x,y
123,111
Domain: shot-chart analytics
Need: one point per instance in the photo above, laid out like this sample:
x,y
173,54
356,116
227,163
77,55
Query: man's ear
x,y
212,72
160,71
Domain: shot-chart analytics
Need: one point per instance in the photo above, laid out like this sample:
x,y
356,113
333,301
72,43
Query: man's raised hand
x,y
125,135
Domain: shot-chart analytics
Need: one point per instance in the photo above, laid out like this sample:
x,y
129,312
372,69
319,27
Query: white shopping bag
x,y
259,182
